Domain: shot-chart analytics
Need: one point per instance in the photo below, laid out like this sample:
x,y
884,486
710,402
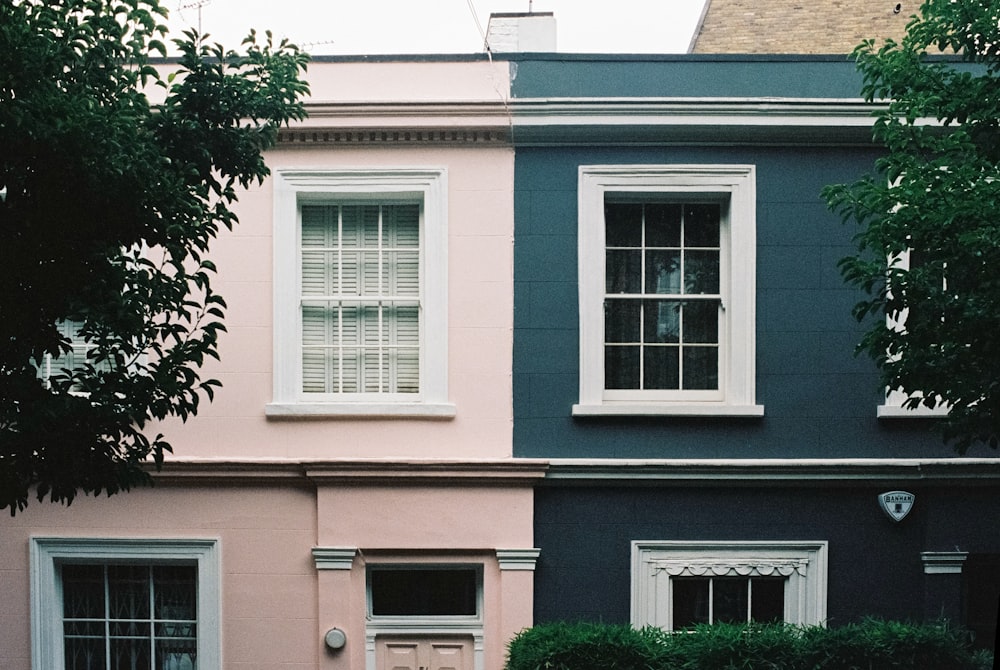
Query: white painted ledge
x,y
898,412
671,409
356,410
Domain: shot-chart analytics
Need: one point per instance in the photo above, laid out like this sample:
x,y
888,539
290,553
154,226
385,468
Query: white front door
x,y
423,653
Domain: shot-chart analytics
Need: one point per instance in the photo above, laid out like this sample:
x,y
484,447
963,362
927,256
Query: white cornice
x,y
777,471
534,121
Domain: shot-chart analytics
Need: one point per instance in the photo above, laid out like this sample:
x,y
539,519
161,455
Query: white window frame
x,y
78,346
655,563
736,186
47,553
292,188
893,406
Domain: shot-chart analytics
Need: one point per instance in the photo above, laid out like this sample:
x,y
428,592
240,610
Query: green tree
x,y
929,216
114,179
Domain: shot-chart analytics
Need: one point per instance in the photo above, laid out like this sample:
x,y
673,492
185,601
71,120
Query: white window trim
x,y
892,406
804,563
47,650
737,374
292,187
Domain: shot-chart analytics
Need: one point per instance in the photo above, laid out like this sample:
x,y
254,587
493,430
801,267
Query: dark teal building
x,y
684,358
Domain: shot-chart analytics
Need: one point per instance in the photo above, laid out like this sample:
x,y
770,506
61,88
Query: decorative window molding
x,y
656,565
943,562
518,559
295,189
334,558
50,554
731,191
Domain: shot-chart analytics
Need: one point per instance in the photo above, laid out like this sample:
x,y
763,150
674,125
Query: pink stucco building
x,y
361,445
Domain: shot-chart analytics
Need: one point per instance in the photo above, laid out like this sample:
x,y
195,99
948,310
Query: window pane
x,y
621,367
690,602
660,369
83,591
128,591
177,654
623,271
85,653
767,598
730,599
623,224
621,321
174,587
701,225
662,321
424,592
701,322
129,654
663,272
663,225
701,368
404,222
701,272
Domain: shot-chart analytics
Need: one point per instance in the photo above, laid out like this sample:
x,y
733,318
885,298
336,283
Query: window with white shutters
x,y
361,298
73,360
361,293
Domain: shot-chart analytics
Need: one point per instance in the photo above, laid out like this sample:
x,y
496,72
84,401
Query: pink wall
x,y
399,489
480,317
268,578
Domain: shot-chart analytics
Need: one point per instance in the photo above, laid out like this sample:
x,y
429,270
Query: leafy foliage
x,y
934,196
108,203
872,644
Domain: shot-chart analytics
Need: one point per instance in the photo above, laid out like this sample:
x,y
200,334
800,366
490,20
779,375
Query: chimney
x,y
509,32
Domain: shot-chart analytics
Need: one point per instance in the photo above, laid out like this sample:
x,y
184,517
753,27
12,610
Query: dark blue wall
x,y
689,75
875,568
820,400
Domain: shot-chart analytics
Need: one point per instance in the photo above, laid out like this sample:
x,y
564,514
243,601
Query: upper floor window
x,y
360,293
897,404
361,298
73,360
667,281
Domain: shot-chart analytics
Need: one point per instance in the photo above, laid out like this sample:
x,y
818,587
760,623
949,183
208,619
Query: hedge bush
x,y
870,645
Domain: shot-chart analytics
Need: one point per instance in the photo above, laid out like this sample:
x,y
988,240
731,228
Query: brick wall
x,y
799,26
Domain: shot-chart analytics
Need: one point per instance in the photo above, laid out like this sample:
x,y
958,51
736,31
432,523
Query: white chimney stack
x,y
534,32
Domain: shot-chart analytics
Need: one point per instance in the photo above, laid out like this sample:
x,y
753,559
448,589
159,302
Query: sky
x,y
354,27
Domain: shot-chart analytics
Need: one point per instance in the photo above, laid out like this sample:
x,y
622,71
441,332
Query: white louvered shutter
x,y
361,299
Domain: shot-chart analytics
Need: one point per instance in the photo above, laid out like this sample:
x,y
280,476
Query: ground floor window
x,y
130,616
727,599
105,604
676,585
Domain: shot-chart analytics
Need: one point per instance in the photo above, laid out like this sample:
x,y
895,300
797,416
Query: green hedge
x,y
869,645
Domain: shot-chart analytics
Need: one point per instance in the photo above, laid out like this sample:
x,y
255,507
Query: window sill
x,y
674,409
359,410
897,412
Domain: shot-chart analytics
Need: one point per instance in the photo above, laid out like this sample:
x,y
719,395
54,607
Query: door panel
x,y
423,653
